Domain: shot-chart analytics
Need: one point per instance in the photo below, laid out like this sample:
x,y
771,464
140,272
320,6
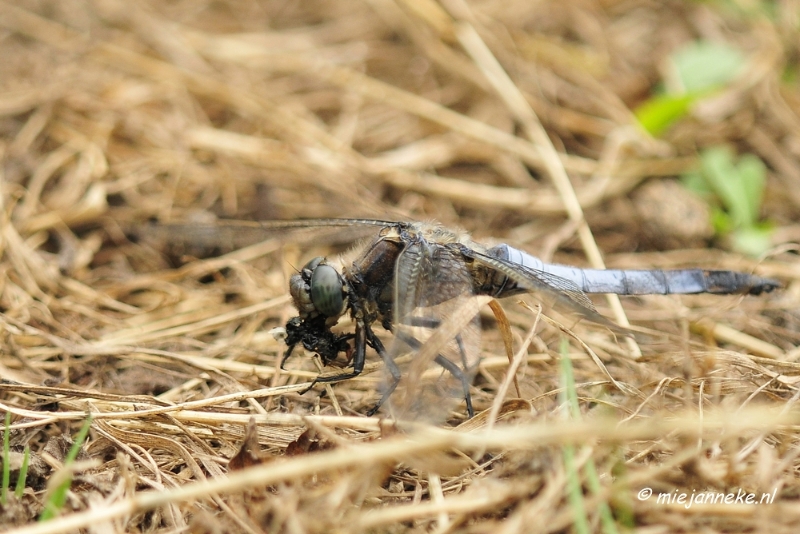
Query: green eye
x,y
326,290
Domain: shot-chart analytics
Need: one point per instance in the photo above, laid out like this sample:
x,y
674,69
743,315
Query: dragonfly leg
x,y
390,365
286,356
364,336
454,369
457,372
359,357
429,322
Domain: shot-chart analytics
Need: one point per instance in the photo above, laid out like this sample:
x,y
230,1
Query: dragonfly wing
x,y
208,239
437,332
560,292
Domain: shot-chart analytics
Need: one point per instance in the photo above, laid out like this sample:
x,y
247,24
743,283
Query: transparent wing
x,y
204,239
437,332
561,293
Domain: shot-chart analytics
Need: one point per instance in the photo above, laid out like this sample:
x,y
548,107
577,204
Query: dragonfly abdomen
x,y
646,282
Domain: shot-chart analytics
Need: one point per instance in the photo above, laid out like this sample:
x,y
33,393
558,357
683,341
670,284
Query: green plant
x,y
698,70
735,189
569,398
6,461
57,495
23,473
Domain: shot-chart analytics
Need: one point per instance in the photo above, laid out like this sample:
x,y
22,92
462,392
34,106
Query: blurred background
x,y
676,122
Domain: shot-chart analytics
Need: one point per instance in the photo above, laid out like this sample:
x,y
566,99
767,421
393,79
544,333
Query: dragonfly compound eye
x,y
313,264
327,291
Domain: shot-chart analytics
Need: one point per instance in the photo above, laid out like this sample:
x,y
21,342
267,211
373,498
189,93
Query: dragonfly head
x,y
318,289
318,292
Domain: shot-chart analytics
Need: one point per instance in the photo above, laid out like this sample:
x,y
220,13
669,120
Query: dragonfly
x,y
419,281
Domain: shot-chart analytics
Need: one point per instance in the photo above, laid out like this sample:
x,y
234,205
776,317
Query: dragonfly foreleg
x,y
359,356
315,337
364,337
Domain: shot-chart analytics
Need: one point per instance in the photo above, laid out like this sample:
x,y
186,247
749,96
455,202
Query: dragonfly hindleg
x,y
454,369
430,322
459,373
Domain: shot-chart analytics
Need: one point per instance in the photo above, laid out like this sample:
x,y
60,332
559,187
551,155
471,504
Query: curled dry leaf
x,y
249,453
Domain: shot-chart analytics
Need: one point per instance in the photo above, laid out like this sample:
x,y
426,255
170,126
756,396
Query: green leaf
x,y
753,173
701,68
724,177
695,182
737,187
721,221
704,65
659,112
752,241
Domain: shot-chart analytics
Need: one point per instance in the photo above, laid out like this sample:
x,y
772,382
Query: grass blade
x,y
6,461
23,473
58,496
570,399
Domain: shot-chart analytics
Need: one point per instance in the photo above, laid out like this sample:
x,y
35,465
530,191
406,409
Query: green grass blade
x,y
593,481
6,461
570,399
79,439
23,473
574,492
58,496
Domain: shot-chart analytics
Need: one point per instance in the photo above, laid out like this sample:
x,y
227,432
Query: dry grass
x,y
509,119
